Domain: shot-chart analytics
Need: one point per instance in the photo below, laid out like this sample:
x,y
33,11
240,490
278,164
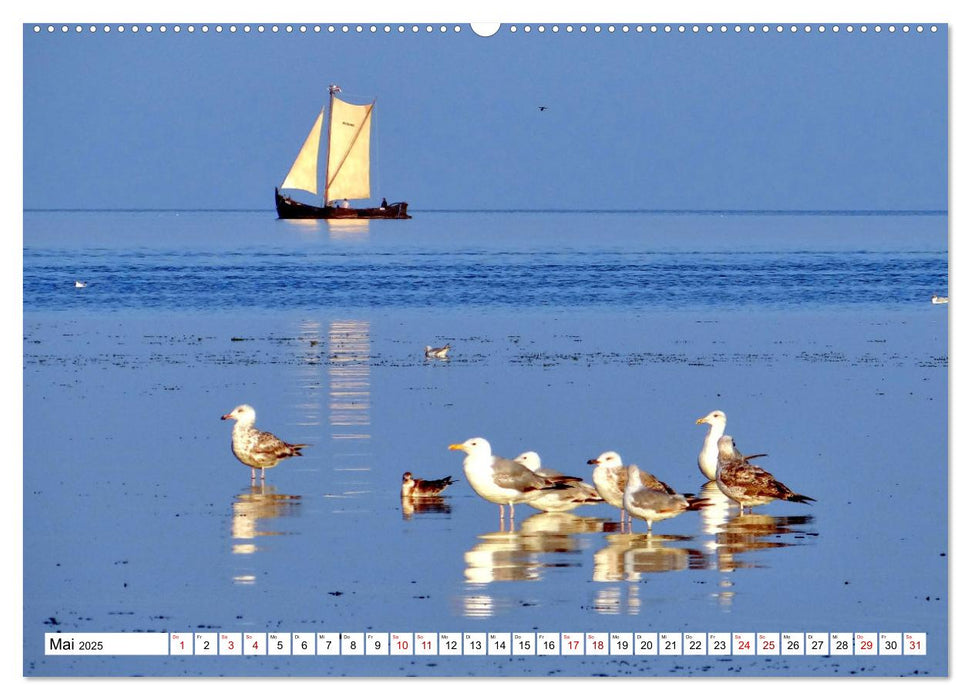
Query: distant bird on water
x,y
78,284
255,448
749,484
437,353
938,300
417,488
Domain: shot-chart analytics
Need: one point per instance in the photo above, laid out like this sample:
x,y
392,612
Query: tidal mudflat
x,y
137,517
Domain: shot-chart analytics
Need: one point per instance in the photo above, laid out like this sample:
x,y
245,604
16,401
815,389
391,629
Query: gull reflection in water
x,y
627,557
424,504
757,531
521,556
251,511
753,532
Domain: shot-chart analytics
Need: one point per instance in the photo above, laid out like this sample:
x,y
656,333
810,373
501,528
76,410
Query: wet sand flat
x,y
137,517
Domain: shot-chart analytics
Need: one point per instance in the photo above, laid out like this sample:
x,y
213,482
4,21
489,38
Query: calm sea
x,y
206,261
572,334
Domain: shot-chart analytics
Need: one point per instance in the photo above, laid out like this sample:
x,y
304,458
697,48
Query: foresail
x,y
303,172
349,155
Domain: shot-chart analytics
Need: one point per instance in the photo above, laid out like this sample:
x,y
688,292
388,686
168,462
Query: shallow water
x,y
572,334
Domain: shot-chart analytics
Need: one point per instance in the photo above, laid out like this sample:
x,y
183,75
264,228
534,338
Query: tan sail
x,y
303,172
349,161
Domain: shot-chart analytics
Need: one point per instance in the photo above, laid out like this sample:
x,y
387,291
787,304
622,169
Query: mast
x,y
332,90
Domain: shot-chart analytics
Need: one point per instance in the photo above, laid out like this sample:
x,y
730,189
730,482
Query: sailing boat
x,y
348,168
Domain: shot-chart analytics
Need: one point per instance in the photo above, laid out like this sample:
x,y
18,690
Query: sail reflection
x,y
309,371
349,372
252,509
349,404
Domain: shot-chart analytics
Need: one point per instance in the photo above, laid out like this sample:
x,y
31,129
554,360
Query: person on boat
x,y
384,202
345,204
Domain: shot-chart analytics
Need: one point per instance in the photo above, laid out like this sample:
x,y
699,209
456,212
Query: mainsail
x,y
303,172
349,151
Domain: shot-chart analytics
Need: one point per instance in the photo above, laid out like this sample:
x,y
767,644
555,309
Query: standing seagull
x,y
708,457
749,484
255,448
437,353
657,502
610,478
503,481
558,500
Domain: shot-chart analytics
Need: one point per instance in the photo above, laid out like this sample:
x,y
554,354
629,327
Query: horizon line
x,y
835,212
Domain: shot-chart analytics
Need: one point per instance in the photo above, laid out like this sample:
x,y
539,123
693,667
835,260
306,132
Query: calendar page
x,y
508,349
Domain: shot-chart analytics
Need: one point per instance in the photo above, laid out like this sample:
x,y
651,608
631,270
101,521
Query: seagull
x,y
708,457
78,284
418,488
438,353
656,502
559,500
543,109
255,448
610,479
501,480
938,300
749,484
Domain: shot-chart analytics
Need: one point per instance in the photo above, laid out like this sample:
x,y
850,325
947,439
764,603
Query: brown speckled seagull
x,y
749,484
255,448
419,488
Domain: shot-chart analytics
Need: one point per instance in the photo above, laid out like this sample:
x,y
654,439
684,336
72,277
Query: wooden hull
x,y
287,208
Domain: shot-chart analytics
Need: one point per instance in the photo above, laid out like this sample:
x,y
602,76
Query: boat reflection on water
x,y
252,510
348,229
423,504
520,556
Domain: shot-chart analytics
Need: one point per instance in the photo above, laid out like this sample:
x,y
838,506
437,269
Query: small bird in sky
x,y
543,109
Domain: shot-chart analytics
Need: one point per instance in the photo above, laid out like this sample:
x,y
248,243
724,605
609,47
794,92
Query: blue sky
x,y
638,120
